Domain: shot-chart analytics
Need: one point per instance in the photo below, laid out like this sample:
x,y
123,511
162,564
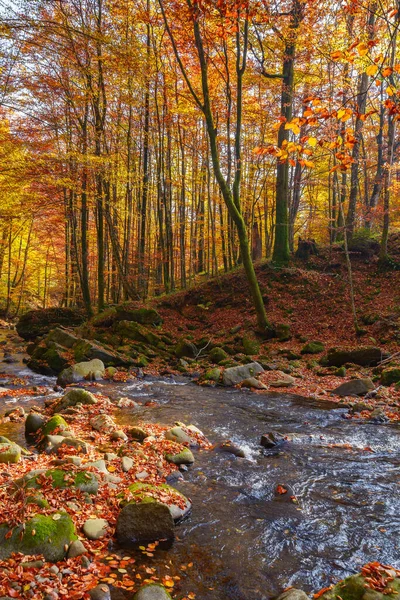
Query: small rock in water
x,y
230,448
185,457
253,383
152,591
126,403
272,439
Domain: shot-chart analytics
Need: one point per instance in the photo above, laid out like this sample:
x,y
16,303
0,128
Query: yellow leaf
x,y
391,90
362,49
341,113
372,70
309,163
312,141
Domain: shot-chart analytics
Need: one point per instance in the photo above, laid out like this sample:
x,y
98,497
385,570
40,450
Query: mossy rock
x,y
35,323
313,348
184,457
55,358
251,345
84,481
185,349
355,587
391,375
47,535
341,372
145,492
212,375
82,350
282,332
141,361
38,500
217,355
364,356
9,452
56,425
144,316
104,319
73,397
137,333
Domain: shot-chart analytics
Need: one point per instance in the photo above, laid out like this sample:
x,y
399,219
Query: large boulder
x,y
355,387
364,356
92,369
49,535
178,505
60,348
48,358
235,375
144,523
35,323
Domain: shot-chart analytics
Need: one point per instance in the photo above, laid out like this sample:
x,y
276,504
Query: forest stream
x,y
246,541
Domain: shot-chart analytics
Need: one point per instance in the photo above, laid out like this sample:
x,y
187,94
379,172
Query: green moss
x,y
82,351
55,358
141,361
353,588
313,348
217,355
38,500
212,375
283,332
10,453
143,493
391,375
83,480
56,425
47,535
251,345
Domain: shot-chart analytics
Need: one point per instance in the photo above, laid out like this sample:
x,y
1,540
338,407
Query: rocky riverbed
x,y
304,513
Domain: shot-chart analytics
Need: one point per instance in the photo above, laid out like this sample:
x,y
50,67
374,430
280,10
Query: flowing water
x,y
246,541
